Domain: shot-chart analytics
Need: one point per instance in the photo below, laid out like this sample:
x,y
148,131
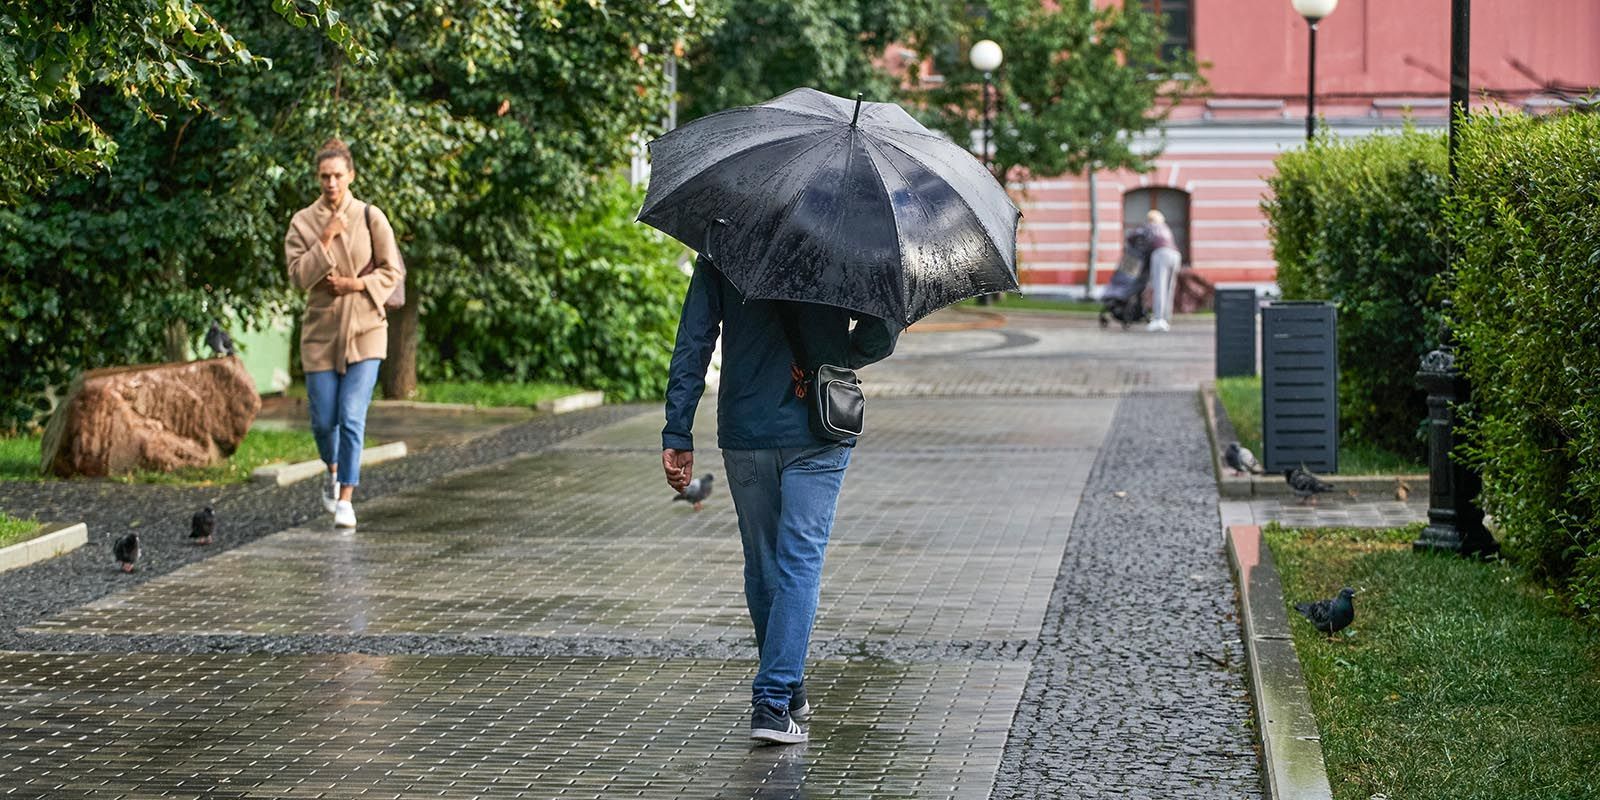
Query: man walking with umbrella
x,y
808,211
785,481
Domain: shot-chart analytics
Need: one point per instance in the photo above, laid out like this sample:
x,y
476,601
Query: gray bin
x,y
1300,386
1236,332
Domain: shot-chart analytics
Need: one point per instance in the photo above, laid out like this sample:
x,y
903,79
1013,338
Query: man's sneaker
x,y
799,705
330,492
768,724
344,515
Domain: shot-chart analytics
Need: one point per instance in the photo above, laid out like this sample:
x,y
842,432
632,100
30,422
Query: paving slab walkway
x,y
1025,597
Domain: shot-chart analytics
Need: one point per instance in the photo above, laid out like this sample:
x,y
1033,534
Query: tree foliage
x,y
57,57
478,127
763,48
1075,87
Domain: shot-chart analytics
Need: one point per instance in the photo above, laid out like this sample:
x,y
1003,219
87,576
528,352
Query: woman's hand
x,y
334,227
339,286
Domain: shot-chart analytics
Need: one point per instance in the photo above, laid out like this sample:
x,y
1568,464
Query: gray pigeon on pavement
x,y
203,525
126,551
1240,459
1332,615
697,491
1305,484
219,341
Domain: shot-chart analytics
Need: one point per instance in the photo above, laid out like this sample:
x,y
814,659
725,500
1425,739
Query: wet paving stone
x,y
362,726
585,542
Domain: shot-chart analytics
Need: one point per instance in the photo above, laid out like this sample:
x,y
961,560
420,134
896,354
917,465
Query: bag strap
x,y
372,259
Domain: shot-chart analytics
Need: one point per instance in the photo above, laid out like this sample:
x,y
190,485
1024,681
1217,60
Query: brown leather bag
x,y
397,298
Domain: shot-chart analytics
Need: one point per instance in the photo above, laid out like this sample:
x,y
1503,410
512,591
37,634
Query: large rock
x,y
156,417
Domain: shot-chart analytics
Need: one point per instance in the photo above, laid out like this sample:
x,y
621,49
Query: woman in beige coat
x,y
345,333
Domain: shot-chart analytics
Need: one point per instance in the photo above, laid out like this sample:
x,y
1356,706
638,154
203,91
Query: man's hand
x,y
679,466
334,227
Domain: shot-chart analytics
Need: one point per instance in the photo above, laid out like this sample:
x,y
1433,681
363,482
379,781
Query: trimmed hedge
x,y
1527,313
1357,222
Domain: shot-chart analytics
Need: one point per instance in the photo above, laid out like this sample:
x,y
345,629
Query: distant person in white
x,y
1165,261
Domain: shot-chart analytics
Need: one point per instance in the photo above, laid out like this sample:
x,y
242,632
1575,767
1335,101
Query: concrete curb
x,y
1237,486
283,474
58,538
572,402
1291,747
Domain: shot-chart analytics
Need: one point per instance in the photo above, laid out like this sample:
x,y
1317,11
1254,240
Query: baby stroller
x,y
1123,298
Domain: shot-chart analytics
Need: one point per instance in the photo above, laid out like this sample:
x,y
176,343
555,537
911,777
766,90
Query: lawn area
x,y
19,459
1459,680
1241,396
483,394
13,530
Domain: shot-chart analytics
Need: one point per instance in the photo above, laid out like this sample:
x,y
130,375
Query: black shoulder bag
x,y
836,406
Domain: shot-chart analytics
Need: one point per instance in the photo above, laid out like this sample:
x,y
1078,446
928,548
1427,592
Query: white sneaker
x,y
344,515
330,492
1158,325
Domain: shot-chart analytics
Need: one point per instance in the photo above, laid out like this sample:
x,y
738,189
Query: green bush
x,y
1358,222
589,299
1527,313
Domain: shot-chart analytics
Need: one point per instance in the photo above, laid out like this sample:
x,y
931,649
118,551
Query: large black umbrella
x,y
817,198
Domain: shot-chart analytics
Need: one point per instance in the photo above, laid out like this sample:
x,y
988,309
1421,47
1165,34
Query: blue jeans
x,y
785,498
339,414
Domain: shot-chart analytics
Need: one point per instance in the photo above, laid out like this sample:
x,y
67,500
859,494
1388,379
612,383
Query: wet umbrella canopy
x,y
817,198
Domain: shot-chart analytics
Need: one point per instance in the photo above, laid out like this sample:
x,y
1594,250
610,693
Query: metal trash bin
x,y
1300,386
1236,332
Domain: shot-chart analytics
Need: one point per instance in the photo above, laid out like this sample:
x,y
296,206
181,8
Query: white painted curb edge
x,y
572,402
64,538
284,474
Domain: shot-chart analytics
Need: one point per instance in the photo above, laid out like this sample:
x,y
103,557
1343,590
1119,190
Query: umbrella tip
x,y
858,110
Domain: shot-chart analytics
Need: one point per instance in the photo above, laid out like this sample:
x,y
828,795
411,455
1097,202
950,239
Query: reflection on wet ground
x,y
410,726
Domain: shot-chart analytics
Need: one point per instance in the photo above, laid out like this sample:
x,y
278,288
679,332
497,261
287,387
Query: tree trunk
x,y
399,371
175,344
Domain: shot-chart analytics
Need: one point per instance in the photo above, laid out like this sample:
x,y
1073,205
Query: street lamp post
x,y
1313,11
986,57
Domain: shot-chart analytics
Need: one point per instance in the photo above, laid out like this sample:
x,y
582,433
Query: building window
x,y
1178,18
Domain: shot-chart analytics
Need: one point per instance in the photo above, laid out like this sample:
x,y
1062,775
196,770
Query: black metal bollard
x,y
1455,523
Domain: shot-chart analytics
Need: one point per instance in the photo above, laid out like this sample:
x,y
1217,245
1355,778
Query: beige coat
x,y
337,331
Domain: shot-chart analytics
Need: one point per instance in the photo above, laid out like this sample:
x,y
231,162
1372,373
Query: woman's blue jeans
x,y
785,498
339,414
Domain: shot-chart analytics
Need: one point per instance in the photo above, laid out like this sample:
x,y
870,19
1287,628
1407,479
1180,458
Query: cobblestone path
x,y
1025,597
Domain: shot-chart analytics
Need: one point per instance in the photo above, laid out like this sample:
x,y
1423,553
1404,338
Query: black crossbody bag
x,y
834,402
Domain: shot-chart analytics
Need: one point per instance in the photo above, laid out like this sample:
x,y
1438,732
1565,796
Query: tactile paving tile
x,y
363,726
587,543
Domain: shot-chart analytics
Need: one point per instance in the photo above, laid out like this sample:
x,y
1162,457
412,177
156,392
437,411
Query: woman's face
x,y
335,175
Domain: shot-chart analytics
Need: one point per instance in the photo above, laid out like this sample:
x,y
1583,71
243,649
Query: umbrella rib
x,y
968,206
899,243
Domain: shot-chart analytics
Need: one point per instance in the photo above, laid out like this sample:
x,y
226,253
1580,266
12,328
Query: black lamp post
x,y
1313,11
986,57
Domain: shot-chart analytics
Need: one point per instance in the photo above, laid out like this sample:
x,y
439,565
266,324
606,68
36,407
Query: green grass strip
x,y
19,460
13,530
1459,680
486,395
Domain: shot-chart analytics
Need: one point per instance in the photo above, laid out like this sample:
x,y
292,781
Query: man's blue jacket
x,y
756,403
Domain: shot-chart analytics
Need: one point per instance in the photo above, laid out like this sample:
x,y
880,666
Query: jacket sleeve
x,y
698,328
309,262
390,268
871,341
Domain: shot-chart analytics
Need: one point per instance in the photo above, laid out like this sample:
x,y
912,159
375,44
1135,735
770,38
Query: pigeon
x,y
697,491
1402,490
1306,485
1240,459
126,551
1332,615
219,341
203,525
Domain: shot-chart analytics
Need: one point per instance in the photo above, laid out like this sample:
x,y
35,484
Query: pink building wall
x,y
1378,62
